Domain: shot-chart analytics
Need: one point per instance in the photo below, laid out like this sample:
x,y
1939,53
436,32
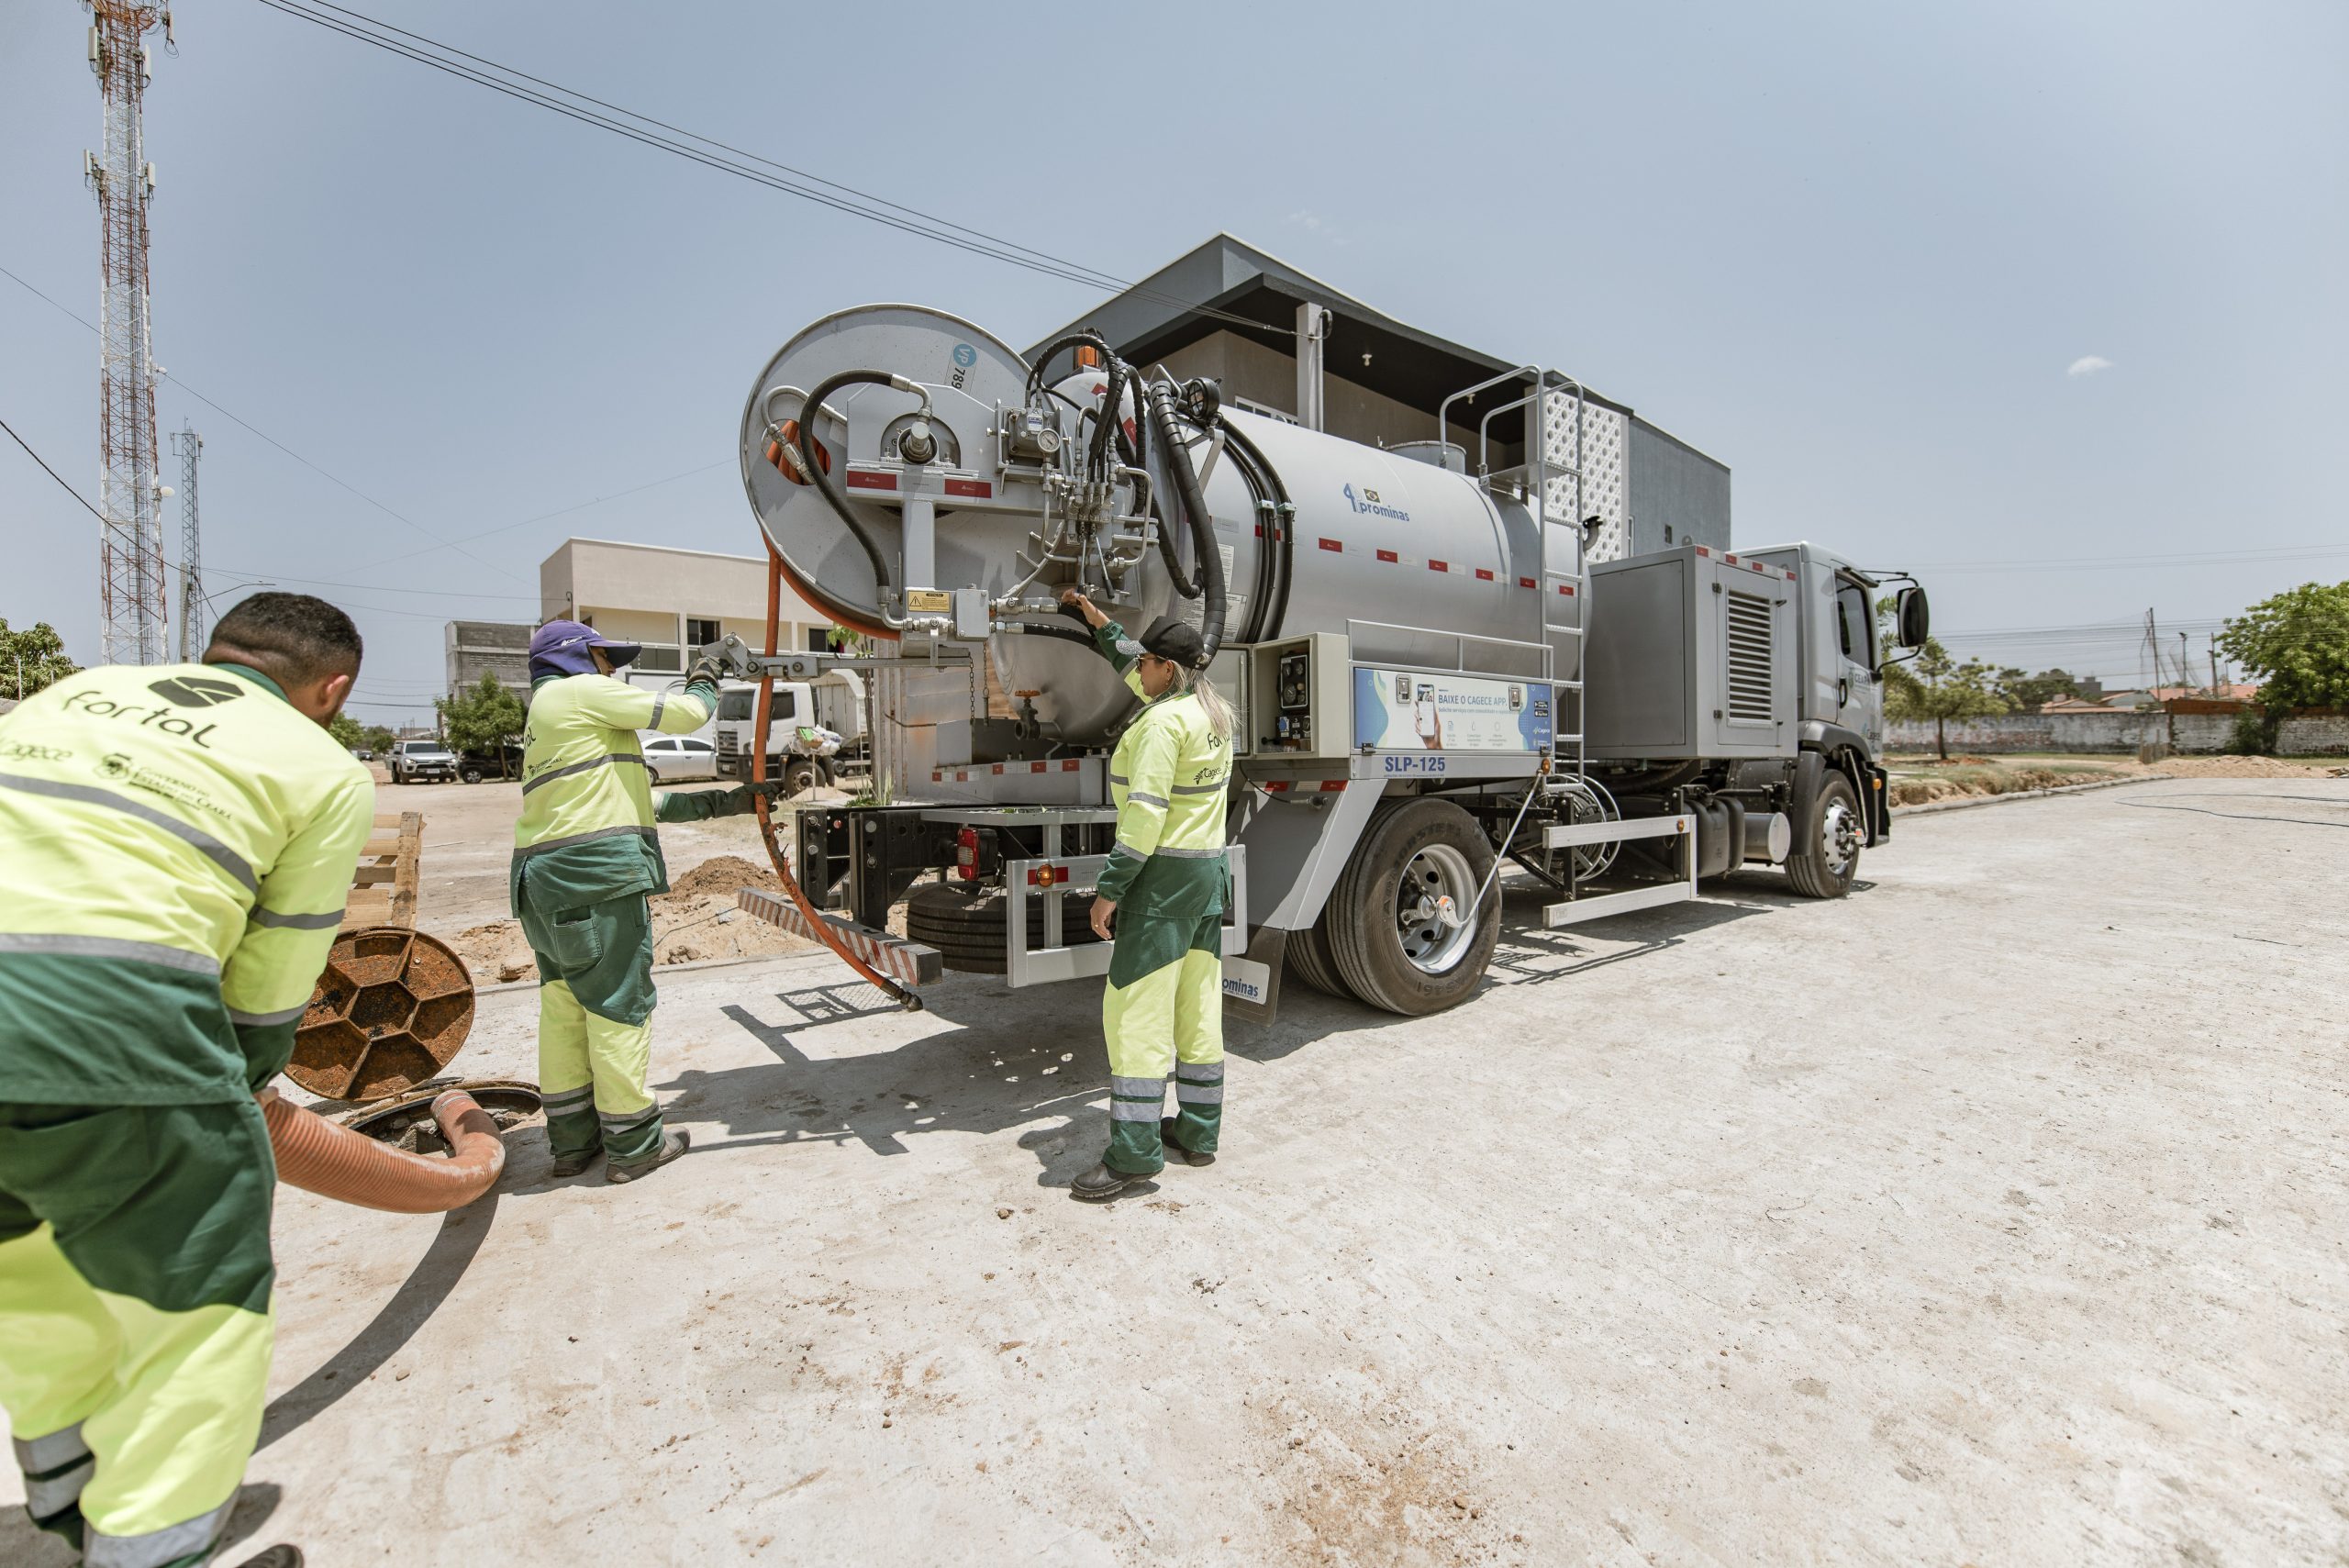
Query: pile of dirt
x,y
723,874
696,920
1973,781
2242,768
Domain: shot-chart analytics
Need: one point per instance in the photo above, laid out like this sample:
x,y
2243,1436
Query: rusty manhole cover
x,y
392,1010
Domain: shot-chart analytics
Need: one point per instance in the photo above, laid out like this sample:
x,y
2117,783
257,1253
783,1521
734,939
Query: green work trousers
x,y
135,1319
1163,1011
595,1004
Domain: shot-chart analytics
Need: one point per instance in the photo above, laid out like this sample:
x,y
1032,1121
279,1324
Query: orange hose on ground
x,y
323,1157
776,567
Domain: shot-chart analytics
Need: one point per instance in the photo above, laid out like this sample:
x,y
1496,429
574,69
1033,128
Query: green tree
x,y
485,718
1943,689
2298,643
32,658
2029,694
346,732
378,738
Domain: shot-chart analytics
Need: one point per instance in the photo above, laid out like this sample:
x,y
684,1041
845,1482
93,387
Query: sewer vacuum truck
x,y
1428,676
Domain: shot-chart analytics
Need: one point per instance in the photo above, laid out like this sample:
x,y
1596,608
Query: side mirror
x,y
1913,616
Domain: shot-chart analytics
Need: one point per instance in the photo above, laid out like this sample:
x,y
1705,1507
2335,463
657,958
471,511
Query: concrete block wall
x,y
2308,734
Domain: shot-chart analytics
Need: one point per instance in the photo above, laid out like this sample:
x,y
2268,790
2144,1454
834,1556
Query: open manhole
x,y
390,1011
407,1122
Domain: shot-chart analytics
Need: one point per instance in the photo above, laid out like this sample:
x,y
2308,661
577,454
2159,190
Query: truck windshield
x,y
738,704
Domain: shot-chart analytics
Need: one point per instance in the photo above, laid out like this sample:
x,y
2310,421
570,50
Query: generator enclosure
x,y
1691,653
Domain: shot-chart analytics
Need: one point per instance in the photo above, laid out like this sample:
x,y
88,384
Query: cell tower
x,y
133,604
188,445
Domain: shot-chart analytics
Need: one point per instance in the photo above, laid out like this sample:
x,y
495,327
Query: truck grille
x,y
1749,654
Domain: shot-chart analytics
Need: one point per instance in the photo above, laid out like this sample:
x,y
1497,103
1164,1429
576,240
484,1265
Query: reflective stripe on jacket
x,y
176,843
1168,779
586,833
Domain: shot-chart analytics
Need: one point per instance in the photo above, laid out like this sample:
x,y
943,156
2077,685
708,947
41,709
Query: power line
x,y
444,543
265,436
53,473
916,223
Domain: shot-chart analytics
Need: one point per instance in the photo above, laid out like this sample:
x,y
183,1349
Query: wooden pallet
x,y
382,890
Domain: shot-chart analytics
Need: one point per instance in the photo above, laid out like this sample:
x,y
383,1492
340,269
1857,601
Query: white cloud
x,y
2087,364
1314,223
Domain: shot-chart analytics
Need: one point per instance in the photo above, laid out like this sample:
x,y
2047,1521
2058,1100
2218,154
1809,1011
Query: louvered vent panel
x,y
1749,652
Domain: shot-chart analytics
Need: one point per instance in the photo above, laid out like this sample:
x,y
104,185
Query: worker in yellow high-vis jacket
x,y
587,858
1165,886
176,846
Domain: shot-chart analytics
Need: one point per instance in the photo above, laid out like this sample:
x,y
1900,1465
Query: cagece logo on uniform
x,y
179,691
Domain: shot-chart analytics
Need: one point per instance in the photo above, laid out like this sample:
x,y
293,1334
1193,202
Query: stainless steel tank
x,y
1406,556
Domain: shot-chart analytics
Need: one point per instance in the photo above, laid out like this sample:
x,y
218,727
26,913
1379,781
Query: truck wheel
x,y
969,930
799,776
1388,941
1826,859
1309,959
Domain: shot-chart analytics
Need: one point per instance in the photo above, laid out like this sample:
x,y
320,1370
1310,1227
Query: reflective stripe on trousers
x,y
1169,1019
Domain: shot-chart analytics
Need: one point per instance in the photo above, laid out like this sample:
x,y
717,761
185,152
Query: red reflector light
x,y
966,854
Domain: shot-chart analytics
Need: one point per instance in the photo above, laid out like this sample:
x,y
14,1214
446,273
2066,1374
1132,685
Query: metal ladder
x,y
1565,577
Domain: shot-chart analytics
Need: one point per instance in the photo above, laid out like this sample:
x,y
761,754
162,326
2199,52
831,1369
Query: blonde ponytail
x,y
1212,702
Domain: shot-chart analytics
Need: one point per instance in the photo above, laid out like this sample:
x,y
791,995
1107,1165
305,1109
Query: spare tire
x,y
968,925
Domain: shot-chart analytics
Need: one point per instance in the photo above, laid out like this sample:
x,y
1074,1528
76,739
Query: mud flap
x,y
1251,981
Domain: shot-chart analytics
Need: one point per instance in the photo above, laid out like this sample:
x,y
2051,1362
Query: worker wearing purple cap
x,y
587,858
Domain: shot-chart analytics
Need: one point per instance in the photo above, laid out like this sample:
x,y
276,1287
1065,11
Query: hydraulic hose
x,y
323,1157
1187,482
821,474
758,729
1283,524
1267,517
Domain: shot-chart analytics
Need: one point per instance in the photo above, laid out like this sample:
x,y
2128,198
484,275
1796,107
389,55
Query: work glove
x,y
704,673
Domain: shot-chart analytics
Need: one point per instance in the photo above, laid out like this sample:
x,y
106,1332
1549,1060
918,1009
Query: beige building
x,y
671,601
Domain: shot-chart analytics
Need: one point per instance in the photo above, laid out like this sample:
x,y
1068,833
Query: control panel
x,y
1303,701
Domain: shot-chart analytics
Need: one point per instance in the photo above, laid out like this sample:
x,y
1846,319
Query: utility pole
x,y
189,446
133,604
2184,675
2215,687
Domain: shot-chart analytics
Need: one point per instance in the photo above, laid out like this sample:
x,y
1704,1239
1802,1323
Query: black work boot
x,y
571,1165
280,1556
1103,1182
1188,1157
673,1144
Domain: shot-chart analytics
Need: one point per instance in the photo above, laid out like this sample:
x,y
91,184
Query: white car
x,y
673,759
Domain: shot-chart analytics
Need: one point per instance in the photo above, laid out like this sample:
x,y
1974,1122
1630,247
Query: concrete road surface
x,y
1993,1215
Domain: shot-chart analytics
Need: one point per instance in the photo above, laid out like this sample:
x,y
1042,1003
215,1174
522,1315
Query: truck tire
x,y
799,775
1828,835
1308,960
969,929
1389,946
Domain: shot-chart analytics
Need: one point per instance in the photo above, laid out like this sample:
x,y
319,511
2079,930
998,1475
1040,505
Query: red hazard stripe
x,y
1527,583
1483,575
1332,544
1389,556
865,479
1568,589
978,487
1438,566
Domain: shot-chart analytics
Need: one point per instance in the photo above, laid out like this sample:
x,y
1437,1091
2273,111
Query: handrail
x,y
1443,409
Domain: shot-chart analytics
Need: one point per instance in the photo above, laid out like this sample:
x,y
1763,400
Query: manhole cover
x,y
392,1010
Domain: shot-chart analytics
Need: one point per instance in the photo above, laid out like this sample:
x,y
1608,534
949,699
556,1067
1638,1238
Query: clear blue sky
x,y
1871,256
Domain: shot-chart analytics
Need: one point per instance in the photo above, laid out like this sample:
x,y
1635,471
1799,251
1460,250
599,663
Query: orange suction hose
x,y
323,1157
815,922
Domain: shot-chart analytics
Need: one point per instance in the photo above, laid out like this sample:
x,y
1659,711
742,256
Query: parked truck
x,y
1429,677
833,703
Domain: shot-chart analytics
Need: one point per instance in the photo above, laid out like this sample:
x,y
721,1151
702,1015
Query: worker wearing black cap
x,y
1166,885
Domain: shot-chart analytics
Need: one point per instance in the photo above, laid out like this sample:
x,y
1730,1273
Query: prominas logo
x,y
1367,501
113,766
196,691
